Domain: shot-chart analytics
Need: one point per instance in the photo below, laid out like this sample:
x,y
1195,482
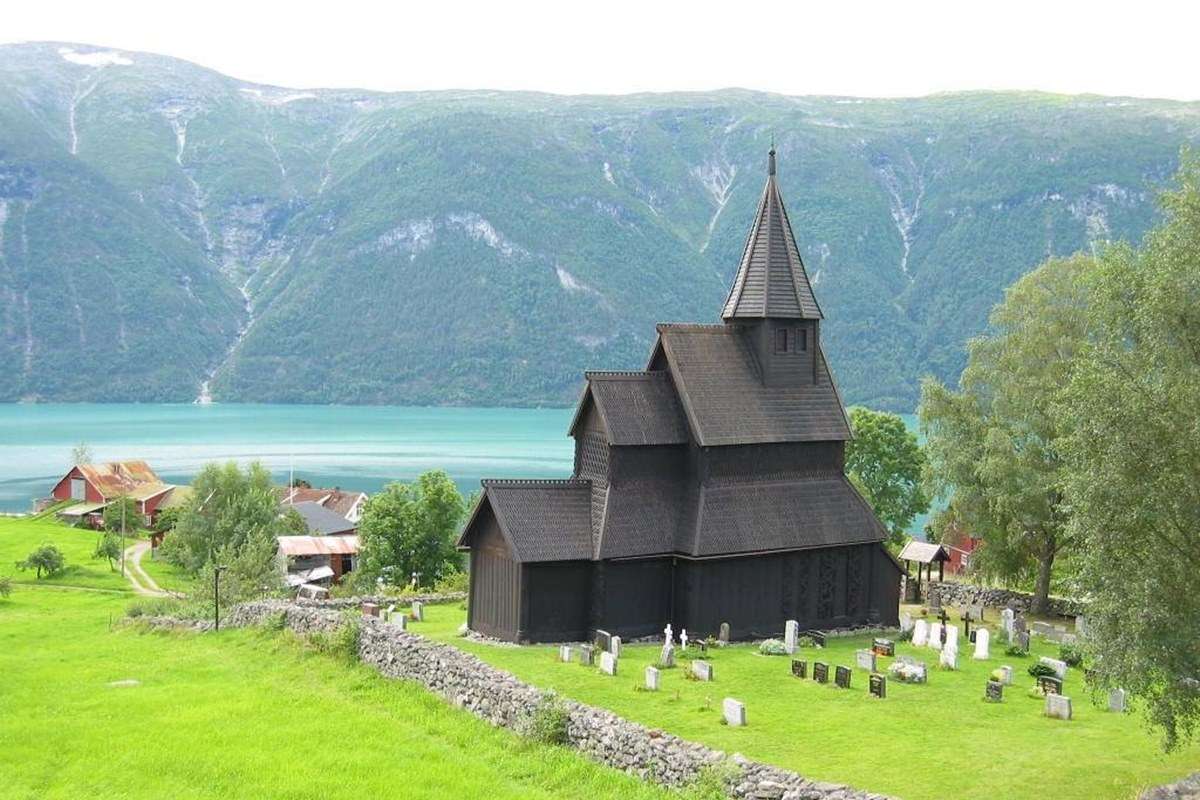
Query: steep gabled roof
x,y
542,520
638,408
320,520
771,281
726,402
117,478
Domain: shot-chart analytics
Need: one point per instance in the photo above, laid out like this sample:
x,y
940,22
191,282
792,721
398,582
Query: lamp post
x,y
217,570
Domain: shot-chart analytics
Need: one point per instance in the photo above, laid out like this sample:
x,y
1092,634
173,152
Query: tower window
x,y
781,343
802,338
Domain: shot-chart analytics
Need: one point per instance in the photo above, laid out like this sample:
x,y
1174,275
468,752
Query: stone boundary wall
x,y
953,593
1183,789
501,699
383,601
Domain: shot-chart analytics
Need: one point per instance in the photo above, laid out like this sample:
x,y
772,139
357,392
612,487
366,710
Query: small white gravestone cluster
x,y
982,644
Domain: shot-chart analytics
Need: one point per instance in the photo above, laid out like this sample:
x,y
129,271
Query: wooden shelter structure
x,y
708,488
923,554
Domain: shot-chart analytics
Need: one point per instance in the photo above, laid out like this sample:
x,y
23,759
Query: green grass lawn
x,y
940,740
18,536
167,575
240,714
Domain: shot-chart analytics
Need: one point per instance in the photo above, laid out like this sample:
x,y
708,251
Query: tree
x,y
5,586
46,559
122,515
886,464
408,529
1132,456
251,570
993,445
109,547
167,518
81,454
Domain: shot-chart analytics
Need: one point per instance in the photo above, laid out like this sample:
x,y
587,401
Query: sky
x,y
865,49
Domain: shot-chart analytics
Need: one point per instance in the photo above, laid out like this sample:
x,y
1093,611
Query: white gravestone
x,y
920,633
952,636
1006,673
399,620
418,611
1117,700
668,634
906,622
608,663
1006,623
949,657
935,635
652,679
865,659
735,712
564,653
614,646
791,632
1058,706
683,638
667,657
702,670
1059,667
387,615
982,644
723,633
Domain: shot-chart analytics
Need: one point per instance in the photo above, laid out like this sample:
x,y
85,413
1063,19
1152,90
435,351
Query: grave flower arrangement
x,y
907,673
772,647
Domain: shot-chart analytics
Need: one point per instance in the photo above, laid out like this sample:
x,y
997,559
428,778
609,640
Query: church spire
x,y
771,281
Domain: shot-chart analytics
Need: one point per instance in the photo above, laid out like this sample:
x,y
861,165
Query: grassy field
x,y
19,536
940,740
166,575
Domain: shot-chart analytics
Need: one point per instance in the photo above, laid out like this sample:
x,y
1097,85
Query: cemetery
x,y
820,712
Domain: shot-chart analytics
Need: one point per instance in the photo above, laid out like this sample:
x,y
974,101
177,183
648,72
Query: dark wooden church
x,y
707,488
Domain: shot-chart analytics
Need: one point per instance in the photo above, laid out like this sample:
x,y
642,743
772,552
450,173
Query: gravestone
x,y
399,620
951,638
1019,626
418,611
1043,628
666,658
1058,706
387,613
668,634
994,692
723,633
1048,684
734,711
702,670
818,638
906,622
1117,701
935,601
614,646
983,638
1059,667
976,610
974,635
587,655
841,677
884,647
1006,673
1023,640
652,679
370,609
608,663
1006,622
799,668
949,657
877,685
564,653
683,639
791,632
935,635
602,640
702,647
865,659
820,672
920,633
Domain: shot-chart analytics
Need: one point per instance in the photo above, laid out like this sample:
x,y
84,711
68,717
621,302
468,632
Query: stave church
x,y
708,488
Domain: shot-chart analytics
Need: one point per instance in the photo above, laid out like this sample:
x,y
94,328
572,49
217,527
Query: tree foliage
x,y
993,444
410,528
5,586
122,514
1132,456
108,547
81,454
46,559
886,463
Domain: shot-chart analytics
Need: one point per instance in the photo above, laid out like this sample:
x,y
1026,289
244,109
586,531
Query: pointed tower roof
x,y
771,281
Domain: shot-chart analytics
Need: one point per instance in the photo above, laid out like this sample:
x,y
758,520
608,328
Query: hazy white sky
x,y
906,47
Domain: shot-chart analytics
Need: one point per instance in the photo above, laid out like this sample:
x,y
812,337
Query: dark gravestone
x,y
703,647
799,668
817,637
820,672
842,677
877,685
884,647
603,640
1050,684
1023,640
587,655
995,692
973,636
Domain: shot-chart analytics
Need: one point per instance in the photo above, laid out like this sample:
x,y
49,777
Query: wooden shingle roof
x,y
638,408
771,281
726,402
542,520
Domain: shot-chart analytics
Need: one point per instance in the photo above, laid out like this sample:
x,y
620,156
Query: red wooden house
x,y
94,486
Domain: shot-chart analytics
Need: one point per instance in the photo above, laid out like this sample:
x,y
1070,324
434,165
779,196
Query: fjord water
x,y
354,447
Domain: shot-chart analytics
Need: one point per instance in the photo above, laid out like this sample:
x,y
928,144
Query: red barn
x,y
94,486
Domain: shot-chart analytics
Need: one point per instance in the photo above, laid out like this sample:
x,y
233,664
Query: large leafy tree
x,y
122,515
993,445
46,559
886,463
1132,464
410,528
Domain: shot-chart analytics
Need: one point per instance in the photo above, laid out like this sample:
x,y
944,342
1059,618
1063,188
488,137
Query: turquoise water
x,y
354,447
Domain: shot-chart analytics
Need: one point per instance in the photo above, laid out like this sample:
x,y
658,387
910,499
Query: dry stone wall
x,y
503,700
953,593
383,601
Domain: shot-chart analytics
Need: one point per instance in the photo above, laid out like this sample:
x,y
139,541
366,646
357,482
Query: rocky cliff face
x,y
168,232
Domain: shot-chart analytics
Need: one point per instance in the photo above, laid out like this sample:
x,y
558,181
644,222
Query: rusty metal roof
x,y
318,545
117,478
336,500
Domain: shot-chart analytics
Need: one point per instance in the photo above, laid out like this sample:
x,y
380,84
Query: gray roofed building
x,y
320,520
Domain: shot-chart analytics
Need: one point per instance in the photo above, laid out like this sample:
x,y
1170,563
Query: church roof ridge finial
x,y
771,158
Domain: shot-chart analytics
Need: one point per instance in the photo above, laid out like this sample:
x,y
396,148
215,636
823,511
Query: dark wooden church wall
x,y
636,597
792,366
495,603
740,461
556,601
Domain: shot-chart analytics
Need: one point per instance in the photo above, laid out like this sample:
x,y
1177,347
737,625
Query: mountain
x,y
168,232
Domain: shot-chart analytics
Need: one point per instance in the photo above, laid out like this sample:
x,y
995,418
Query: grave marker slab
x,y
564,653
723,634
1006,673
666,657
951,637
734,711
587,655
1023,640
1059,667
920,633
1058,706
1050,684
418,611
977,612
602,640
799,668
399,620
877,685
935,636
652,679
865,659
1006,622
906,622
983,639
949,657
820,672
841,677
702,670
994,692
614,646
884,647
1043,628
608,663
1118,701
818,638
370,609
791,632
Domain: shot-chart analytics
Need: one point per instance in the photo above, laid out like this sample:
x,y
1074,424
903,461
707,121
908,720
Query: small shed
x,y
925,555
308,554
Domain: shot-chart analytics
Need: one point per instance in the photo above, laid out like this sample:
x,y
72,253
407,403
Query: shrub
x,y
47,558
154,607
713,782
275,622
108,547
1040,670
5,586
772,647
1071,655
805,641
548,722
345,641
1017,651
455,581
905,636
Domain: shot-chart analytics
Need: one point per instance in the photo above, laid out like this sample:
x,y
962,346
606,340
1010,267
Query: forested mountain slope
x,y
164,228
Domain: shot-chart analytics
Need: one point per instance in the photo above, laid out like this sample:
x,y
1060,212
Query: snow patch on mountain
x,y
277,98
96,58
716,176
608,176
481,230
